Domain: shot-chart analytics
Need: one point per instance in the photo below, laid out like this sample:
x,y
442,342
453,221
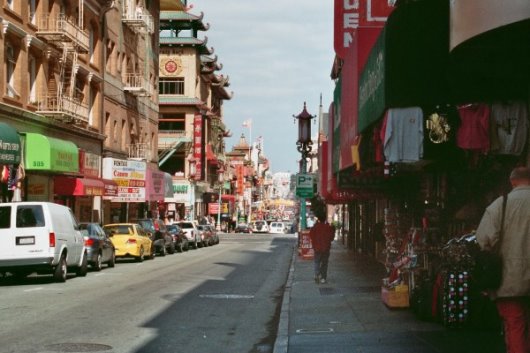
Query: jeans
x,y
321,264
515,313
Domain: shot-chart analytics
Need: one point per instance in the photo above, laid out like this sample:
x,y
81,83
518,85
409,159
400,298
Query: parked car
x,y
277,228
41,237
259,227
206,234
130,240
215,235
242,228
192,233
99,247
179,237
162,240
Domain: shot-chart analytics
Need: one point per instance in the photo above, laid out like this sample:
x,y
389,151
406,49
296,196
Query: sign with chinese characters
x,y
197,146
130,177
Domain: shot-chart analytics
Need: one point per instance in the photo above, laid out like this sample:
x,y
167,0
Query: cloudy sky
x,y
278,54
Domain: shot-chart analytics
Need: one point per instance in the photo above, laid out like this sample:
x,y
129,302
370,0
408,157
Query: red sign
x,y
197,145
306,247
240,183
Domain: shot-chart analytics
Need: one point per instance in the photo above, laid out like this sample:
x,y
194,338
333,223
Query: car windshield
x,y
119,229
147,225
186,225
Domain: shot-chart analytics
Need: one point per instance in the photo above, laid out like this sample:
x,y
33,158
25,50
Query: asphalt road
x,y
224,298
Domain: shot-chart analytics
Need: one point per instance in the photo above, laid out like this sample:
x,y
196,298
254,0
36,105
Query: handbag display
x,y
487,271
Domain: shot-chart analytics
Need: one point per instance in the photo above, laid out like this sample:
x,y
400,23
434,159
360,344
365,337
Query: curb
x,y
281,344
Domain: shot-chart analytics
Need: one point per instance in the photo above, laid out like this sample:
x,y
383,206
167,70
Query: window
x,y
11,63
171,126
30,216
33,12
171,85
5,217
91,44
32,74
10,4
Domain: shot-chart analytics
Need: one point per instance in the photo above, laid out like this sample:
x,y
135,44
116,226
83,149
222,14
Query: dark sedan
x,y
179,237
100,249
242,228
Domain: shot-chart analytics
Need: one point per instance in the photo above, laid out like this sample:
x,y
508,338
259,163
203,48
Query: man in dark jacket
x,y
513,296
321,234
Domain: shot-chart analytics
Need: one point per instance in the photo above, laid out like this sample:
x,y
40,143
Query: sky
x,y
278,55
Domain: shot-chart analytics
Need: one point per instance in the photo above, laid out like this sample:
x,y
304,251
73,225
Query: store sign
x,y
197,146
130,177
181,192
38,189
155,185
372,86
346,22
89,164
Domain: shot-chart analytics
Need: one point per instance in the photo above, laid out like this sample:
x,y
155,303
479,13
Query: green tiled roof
x,y
180,40
178,16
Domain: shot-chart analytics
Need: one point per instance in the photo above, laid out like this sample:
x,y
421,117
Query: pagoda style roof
x,y
172,5
182,20
187,41
242,145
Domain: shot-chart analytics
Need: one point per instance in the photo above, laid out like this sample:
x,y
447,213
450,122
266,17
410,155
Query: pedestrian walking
x,y
321,234
512,298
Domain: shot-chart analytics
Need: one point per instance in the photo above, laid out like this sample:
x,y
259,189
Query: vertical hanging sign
x,y
345,24
197,146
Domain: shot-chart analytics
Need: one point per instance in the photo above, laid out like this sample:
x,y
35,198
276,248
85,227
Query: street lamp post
x,y
191,177
221,180
304,146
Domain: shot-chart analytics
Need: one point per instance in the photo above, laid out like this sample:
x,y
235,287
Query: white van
x,y
40,237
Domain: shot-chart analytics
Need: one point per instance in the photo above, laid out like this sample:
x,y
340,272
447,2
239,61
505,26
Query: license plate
x,y
26,240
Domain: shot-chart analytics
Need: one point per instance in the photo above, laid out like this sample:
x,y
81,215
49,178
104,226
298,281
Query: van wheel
x,y
60,271
97,265
141,257
83,269
112,261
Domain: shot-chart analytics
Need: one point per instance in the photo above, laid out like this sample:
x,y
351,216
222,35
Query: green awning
x,y
50,154
9,145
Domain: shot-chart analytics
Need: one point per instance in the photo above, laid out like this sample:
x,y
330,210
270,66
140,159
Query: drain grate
x,y
78,347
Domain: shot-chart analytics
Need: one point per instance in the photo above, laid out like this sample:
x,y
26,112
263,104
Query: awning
x,y
408,64
50,154
9,145
111,187
78,186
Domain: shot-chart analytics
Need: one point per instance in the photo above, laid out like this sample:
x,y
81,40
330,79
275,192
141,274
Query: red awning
x,y
111,188
78,186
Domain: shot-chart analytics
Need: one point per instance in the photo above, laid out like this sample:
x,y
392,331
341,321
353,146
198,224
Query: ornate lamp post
x,y
304,146
192,172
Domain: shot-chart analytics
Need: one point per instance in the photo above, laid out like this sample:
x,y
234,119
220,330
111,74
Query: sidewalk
x,y
347,315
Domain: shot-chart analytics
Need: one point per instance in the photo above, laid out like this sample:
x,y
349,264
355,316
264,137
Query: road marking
x,y
226,296
327,330
33,289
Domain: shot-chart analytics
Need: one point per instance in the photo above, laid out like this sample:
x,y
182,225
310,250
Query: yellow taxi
x,y
130,240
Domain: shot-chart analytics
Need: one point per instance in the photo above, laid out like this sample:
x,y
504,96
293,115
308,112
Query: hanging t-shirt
x,y
404,135
473,133
509,123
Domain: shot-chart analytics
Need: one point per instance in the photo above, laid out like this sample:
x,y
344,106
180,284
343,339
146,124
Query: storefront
x,y
10,158
44,159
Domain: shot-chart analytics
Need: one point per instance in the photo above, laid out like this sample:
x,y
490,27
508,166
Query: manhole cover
x,y
78,347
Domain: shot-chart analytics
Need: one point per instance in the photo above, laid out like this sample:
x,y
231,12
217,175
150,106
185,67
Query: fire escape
x,y
64,101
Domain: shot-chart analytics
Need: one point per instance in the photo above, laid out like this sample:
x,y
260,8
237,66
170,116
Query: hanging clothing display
x,y
509,127
404,135
473,133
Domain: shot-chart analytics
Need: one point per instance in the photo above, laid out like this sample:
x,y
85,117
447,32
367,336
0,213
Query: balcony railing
x,y
140,151
172,138
139,20
59,29
64,107
136,83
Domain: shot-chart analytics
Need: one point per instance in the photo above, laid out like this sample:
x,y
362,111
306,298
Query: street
x,y
224,298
